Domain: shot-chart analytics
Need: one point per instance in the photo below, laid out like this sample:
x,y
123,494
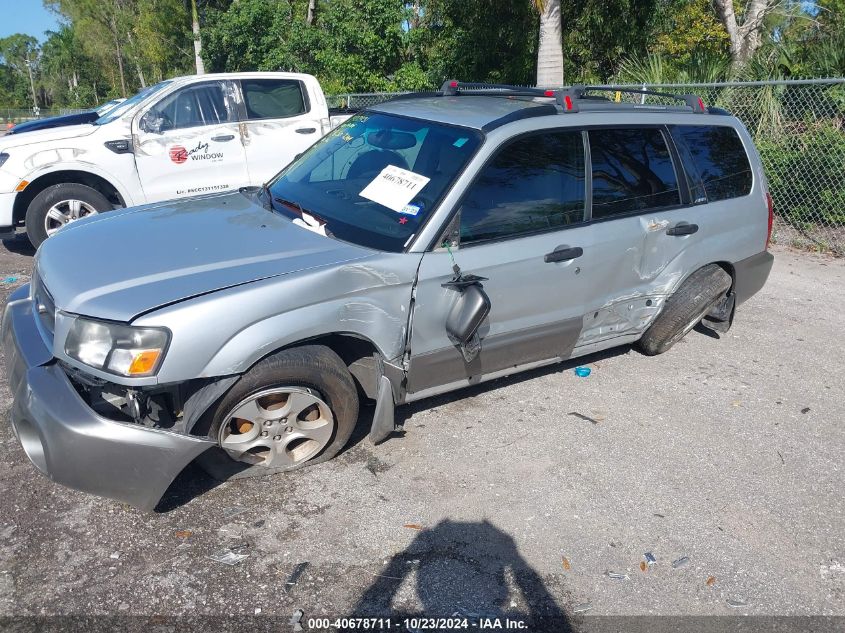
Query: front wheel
x,y
59,205
294,408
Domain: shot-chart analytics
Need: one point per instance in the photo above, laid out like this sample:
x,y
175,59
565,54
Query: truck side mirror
x,y
150,123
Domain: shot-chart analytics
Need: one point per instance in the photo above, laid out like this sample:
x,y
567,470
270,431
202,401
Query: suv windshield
x,y
122,108
375,179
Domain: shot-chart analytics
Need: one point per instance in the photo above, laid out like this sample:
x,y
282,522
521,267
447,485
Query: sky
x,y
26,16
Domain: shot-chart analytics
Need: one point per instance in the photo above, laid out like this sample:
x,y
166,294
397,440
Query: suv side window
x,y
632,171
192,106
715,162
272,98
533,184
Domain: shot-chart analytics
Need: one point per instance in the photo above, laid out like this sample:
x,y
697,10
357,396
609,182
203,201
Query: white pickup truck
x,y
181,137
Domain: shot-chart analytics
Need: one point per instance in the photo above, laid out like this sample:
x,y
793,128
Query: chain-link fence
x,y
799,130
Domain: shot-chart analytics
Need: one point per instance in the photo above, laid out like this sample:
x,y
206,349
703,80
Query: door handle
x,y
306,130
563,254
682,228
223,138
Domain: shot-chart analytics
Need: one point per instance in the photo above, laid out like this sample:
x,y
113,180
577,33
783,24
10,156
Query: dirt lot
x,y
513,498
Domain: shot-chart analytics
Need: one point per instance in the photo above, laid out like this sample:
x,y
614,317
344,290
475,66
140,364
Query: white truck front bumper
x,y
7,203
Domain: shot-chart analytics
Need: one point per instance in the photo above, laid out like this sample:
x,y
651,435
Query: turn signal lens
x,y
144,362
23,184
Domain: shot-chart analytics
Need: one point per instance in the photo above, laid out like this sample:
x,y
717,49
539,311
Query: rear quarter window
x,y
715,162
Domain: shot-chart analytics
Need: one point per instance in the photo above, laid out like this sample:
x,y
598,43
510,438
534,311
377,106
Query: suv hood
x,y
51,134
122,264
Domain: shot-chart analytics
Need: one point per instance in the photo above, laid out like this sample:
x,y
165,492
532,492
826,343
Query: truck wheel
x,y
685,308
294,408
61,204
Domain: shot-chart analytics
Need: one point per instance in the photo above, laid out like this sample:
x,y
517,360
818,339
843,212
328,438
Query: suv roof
x,y
474,111
488,106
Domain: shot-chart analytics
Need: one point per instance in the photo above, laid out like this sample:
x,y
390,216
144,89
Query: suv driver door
x,y
522,228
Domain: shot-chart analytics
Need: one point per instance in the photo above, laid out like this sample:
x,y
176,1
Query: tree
x,y
745,35
689,27
20,53
550,49
195,27
476,40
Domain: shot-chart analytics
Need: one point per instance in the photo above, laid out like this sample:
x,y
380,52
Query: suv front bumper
x,y
70,443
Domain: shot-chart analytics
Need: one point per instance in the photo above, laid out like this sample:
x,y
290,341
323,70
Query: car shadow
x,y
404,412
20,245
703,329
194,481
191,483
463,570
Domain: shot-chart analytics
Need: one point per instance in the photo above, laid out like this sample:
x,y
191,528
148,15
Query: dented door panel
x,y
536,312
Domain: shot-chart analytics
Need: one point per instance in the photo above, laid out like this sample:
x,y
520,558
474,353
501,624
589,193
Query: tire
x,y
70,200
310,371
685,309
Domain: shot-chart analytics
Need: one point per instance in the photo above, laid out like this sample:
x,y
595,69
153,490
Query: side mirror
x,y
467,314
150,123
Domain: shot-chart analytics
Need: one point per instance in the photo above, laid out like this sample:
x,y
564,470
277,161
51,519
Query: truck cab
x,y
181,137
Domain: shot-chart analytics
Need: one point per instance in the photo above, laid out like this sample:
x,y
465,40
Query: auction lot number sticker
x,y
394,187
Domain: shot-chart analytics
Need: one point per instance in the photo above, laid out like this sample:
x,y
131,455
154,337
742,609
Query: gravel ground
x,y
512,498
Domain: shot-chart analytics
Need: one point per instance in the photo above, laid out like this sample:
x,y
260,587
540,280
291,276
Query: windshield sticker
x,y
411,209
394,187
461,141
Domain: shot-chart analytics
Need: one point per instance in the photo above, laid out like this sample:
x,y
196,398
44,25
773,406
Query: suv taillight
x,y
770,204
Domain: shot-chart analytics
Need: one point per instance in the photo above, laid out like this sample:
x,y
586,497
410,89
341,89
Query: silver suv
x,y
431,242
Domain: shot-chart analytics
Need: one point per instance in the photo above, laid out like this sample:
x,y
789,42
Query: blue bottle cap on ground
x,y
582,371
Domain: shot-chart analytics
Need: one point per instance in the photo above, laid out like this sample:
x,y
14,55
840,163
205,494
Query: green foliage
x,y
478,40
689,27
106,48
354,45
598,34
810,199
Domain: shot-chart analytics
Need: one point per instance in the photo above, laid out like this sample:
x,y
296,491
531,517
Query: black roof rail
x,y
567,98
693,101
454,87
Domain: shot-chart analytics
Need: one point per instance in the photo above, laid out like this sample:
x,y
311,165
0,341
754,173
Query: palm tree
x,y
550,51
195,26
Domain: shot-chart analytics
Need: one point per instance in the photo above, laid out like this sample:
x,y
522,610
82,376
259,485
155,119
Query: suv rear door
x,y
277,123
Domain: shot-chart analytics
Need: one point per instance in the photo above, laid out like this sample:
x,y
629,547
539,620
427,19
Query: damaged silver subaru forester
x,y
431,242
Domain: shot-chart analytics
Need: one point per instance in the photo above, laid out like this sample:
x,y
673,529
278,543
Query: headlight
x,y
3,158
115,348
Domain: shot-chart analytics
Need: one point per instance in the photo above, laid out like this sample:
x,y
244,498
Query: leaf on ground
x,y
710,581
566,564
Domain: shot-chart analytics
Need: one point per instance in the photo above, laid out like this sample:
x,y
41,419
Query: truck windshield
x,y
375,179
122,108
